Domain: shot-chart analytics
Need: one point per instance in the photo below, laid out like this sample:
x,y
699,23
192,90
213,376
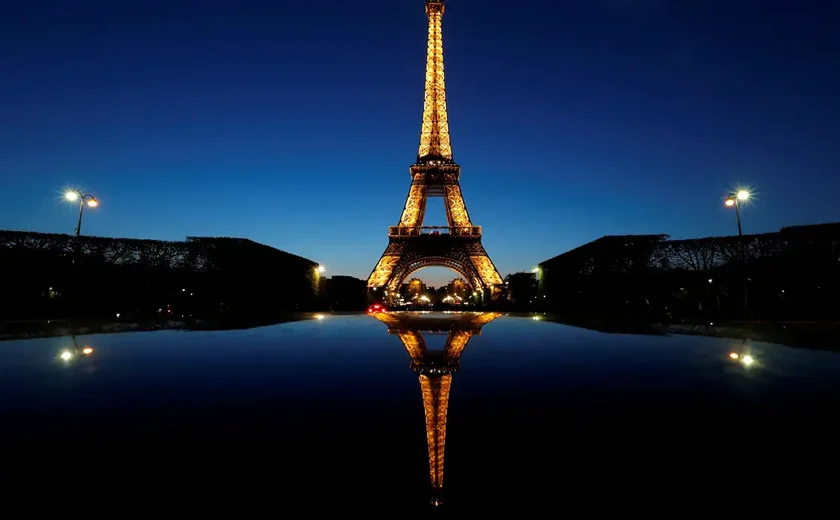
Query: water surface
x,y
523,412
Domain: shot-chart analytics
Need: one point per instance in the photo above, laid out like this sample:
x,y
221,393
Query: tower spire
x,y
434,132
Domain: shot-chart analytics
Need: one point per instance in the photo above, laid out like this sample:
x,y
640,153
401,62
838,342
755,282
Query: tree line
x,y
57,275
793,273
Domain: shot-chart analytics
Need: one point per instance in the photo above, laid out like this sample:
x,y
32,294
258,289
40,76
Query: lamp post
x,y
734,200
319,286
538,275
83,198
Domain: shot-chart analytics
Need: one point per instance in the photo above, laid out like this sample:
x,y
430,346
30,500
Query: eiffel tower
x,y
435,371
411,245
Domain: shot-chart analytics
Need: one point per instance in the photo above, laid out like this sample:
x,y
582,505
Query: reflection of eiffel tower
x,y
435,369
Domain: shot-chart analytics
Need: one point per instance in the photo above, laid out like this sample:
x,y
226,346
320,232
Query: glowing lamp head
x,y
93,203
71,195
743,195
87,351
66,355
321,268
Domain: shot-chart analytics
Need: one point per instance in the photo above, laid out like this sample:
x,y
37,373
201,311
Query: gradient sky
x,y
293,123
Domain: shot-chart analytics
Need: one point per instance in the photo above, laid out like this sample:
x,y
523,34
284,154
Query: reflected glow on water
x,y
435,369
492,396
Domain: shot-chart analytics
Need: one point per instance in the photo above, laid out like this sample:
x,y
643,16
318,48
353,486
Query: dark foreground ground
x,y
580,455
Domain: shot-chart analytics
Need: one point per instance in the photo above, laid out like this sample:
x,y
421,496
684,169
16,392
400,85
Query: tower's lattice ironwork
x,y
435,370
411,245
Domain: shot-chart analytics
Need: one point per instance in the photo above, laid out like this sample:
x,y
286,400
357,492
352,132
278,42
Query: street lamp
x,y
734,200
86,198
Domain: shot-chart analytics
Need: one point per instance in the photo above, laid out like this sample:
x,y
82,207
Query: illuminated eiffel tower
x,y
411,245
435,369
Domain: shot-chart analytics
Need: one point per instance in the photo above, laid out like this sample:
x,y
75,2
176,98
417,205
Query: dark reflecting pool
x,y
414,411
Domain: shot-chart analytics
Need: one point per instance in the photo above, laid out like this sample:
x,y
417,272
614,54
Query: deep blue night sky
x,y
294,123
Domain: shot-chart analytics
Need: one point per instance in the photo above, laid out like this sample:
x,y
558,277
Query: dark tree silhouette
x,y
789,274
55,275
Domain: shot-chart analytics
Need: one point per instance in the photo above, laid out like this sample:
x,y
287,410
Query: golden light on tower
x,y
434,132
435,174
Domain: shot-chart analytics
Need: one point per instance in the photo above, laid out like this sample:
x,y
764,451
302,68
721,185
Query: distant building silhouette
x,y
793,273
56,275
346,293
521,288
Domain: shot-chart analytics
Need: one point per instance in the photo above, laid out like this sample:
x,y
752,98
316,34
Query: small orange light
x,y
87,350
93,203
733,355
729,202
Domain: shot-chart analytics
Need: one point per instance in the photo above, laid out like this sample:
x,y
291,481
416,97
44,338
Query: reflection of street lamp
x,y
745,359
76,195
67,355
734,200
